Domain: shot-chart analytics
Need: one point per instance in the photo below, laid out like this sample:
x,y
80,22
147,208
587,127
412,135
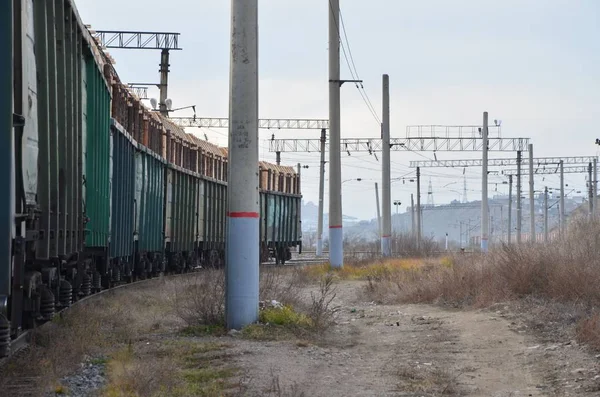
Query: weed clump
x,y
284,321
200,300
284,315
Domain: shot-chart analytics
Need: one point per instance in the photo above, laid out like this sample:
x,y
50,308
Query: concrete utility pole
x,y
485,227
298,190
590,191
336,235
6,162
561,216
595,204
242,241
418,207
386,175
278,158
164,80
412,215
378,212
321,194
531,195
546,214
519,207
509,208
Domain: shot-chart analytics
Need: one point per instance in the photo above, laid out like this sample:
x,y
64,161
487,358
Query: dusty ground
x,y
417,350
371,350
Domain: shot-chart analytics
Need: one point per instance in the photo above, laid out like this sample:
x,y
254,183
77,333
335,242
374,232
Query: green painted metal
x,y
98,157
123,195
201,233
183,224
149,201
168,213
279,219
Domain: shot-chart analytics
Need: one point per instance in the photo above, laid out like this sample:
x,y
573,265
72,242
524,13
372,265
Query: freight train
x,y
104,190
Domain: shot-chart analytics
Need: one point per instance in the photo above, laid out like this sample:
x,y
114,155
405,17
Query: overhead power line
x,y
352,66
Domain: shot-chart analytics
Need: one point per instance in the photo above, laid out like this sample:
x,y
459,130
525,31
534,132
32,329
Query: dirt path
x,y
414,350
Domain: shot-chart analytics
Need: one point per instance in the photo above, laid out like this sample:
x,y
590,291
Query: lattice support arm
x,y
400,144
551,170
288,124
501,162
137,40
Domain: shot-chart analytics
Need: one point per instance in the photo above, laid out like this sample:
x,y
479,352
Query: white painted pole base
x,y
386,246
336,247
484,245
319,247
242,271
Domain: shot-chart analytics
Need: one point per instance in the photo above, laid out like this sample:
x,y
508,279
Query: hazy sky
x,y
531,63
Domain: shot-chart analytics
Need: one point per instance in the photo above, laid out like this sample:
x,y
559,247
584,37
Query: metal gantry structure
x,y
139,91
504,162
415,144
164,41
543,166
419,138
137,40
223,122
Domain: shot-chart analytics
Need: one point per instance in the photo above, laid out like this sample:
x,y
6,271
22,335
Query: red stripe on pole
x,y
243,214
387,235
335,227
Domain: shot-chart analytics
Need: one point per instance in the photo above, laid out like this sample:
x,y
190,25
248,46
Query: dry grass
x,y
320,311
588,331
294,390
365,269
431,380
200,299
106,323
282,284
306,321
566,271
180,369
118,322
403,244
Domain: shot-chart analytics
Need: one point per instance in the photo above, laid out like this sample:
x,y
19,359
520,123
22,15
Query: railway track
x,y
22,341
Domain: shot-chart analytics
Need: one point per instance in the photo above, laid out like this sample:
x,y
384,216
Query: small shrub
x,y
588,331
321,312
282,284
285,315
200,300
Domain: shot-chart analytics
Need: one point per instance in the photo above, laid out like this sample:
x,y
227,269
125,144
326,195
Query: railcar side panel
x,y
123,194
168,205
201,216
150,201
97,181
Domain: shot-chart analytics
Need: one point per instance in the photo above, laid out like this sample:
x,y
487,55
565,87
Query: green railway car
x,y
149,208
181,215
279,225
61,212
122,201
